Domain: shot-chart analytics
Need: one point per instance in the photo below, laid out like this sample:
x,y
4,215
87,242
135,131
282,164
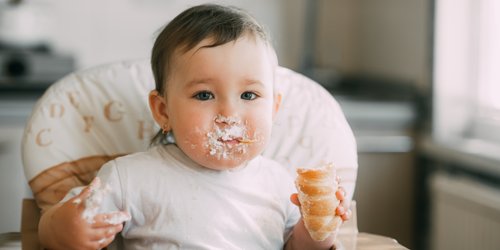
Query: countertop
x,y
472,155
360,241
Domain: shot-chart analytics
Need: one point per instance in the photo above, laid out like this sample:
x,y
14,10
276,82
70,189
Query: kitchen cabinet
x,y
386,166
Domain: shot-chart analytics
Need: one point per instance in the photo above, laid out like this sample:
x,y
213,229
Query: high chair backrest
x,y
95,115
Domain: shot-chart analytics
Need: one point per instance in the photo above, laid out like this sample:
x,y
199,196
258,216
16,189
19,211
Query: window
x,y
467,74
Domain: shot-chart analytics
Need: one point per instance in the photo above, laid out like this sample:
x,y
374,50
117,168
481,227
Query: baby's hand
x,y
69,229
300,237
341,210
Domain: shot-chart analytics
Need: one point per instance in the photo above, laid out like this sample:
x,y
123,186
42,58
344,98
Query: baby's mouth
x,y
228,137
234,141
231,135
230,140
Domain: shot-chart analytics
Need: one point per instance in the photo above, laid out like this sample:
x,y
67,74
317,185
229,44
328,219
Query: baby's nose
x,y
229,120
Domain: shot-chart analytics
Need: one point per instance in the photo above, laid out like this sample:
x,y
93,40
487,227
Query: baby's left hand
x,y
301,239
341,210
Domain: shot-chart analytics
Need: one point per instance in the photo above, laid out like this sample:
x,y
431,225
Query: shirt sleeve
x,y
293,213
111,186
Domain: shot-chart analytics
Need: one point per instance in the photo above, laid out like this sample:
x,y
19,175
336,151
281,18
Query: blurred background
x,y
419,82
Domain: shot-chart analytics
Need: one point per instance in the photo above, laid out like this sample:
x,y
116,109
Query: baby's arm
x,y
63,226
300,238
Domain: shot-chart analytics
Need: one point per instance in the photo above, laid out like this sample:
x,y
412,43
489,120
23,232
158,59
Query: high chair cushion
x,y
94,115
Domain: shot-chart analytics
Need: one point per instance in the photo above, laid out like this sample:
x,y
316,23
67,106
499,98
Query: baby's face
x,y
220,101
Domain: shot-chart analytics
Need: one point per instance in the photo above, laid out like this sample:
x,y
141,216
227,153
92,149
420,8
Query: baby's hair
x,y
222,24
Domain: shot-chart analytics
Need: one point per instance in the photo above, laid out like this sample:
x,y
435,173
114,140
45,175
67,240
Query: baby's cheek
x,y
195,140
262,134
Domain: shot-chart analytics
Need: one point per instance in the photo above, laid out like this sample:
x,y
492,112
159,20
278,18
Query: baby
x,y
208,187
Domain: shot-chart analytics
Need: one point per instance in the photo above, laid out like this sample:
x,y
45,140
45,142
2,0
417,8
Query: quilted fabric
x,y
94,115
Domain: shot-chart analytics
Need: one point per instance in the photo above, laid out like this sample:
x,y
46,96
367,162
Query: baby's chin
x,y
224,158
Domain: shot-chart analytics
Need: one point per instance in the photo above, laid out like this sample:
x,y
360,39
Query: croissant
x,y
318,202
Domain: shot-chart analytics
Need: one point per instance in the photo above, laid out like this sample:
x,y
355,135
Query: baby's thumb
x,y
294,198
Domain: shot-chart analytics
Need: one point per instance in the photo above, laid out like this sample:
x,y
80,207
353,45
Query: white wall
x,y
338,32
394,39
378,37
102,31
388,38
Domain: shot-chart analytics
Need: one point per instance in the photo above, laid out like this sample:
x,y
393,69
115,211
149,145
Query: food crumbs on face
x,y
228,137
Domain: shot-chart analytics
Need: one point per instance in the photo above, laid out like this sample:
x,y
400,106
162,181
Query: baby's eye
x,y
248,96
204,95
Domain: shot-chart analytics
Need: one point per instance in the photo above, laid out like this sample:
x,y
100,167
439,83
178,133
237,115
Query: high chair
x,y
92,116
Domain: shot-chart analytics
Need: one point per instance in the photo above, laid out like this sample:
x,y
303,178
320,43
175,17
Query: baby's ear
x,y
276,104
158,107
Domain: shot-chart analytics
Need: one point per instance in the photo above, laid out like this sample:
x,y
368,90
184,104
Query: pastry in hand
x,y
318,202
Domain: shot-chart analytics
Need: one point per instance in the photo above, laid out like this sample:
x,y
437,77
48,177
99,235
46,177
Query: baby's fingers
x,y
340,194
345,214
103,242
114,218
105,232
294,198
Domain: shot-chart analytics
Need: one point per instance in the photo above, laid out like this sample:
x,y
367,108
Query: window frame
x,y
459,117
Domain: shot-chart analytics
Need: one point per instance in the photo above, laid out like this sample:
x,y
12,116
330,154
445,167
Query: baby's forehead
x,y
187,50
213,40
198,59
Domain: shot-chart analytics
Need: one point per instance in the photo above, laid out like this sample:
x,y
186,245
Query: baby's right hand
x,y
69,229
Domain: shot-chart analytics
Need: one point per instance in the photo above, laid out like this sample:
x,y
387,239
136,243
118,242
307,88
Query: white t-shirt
x,y
177,204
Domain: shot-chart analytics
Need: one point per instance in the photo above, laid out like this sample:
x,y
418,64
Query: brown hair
x,y
221,23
